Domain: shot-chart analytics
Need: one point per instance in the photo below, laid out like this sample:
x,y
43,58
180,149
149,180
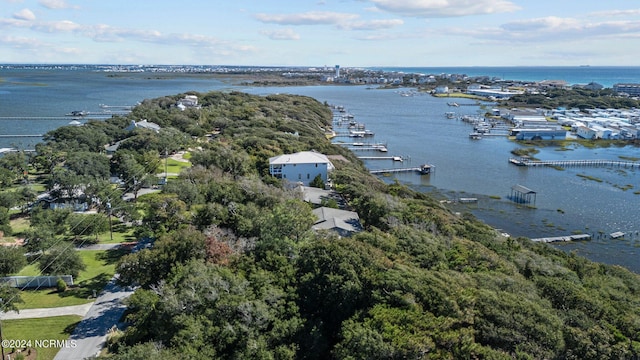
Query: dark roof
x,y
522,189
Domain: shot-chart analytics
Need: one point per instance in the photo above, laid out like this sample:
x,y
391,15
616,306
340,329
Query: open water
x,y
413,127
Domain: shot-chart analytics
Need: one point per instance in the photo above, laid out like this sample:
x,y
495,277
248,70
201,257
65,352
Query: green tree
x,y
317,182
12,260
150,266
88,164
9,298
61,260
87,224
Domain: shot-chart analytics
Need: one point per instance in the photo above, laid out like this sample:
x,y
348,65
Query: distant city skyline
x,y
352,33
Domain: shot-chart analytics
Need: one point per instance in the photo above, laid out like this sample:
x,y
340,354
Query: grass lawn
x,y
57,327
173,166
121,233
100,269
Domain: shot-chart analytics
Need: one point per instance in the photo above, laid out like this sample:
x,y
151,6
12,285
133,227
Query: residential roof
x,y
303,157
144,124
343,222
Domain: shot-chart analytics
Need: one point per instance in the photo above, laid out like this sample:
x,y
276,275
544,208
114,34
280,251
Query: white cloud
x,y
615,13
553,29
56,4
308,18
371,25
342,21
445,8
25,14
20,42
284,34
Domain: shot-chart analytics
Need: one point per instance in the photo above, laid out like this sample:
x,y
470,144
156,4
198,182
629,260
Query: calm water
x,y
413,126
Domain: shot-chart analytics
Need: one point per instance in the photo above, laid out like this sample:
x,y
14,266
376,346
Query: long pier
x,y
20,136
576,237
574,163
423,170
394,158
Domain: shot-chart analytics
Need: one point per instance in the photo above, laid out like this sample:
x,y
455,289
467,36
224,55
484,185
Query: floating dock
x,y
617,235
576,237
574,163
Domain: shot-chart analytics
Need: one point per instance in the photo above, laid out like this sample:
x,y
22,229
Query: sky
x,y
351,33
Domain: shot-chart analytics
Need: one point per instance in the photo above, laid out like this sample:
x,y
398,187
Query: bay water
x,y
597,201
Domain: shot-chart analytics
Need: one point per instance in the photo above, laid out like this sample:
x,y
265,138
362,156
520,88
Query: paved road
x,y
90,335
47,312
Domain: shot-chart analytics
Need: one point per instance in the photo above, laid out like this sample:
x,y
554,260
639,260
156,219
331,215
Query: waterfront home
x,y
552,133
301,167
189,101
442,89
343,222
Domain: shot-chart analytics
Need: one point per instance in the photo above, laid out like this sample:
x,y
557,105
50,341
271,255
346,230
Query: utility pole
x,y
110,221
1,337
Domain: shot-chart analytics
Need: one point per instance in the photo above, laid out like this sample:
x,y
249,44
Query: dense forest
x,y
573,98
236,273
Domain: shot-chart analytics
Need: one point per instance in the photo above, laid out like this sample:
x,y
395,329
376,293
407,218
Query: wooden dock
x,y
394,158
20,136
573,163
423,170
576,237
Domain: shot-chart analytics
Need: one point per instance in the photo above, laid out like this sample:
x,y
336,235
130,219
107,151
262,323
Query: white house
x,y
301,167
143,124
188,101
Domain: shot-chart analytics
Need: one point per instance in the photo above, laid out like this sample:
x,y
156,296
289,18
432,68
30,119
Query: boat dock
x,y
423,170
574,163
394,158
20,136
576,237
368,148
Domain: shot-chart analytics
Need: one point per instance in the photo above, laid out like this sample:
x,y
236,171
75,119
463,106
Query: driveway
x,y
91,333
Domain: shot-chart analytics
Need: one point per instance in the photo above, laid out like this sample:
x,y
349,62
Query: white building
x,y
143,124
300,167
188,101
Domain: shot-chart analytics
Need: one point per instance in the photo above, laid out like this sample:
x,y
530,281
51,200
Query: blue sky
x,y
352,33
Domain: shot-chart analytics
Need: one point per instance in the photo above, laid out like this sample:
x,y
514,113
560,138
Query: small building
x,y
301,167
586,133
630,89
189,101
143,124
539,134
442,89
343,222
522,194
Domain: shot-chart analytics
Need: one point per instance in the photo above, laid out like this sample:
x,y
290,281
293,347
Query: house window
x,y
316,165
299,176
307,176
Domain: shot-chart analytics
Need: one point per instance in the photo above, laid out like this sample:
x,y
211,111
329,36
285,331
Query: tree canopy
x,y
235,271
